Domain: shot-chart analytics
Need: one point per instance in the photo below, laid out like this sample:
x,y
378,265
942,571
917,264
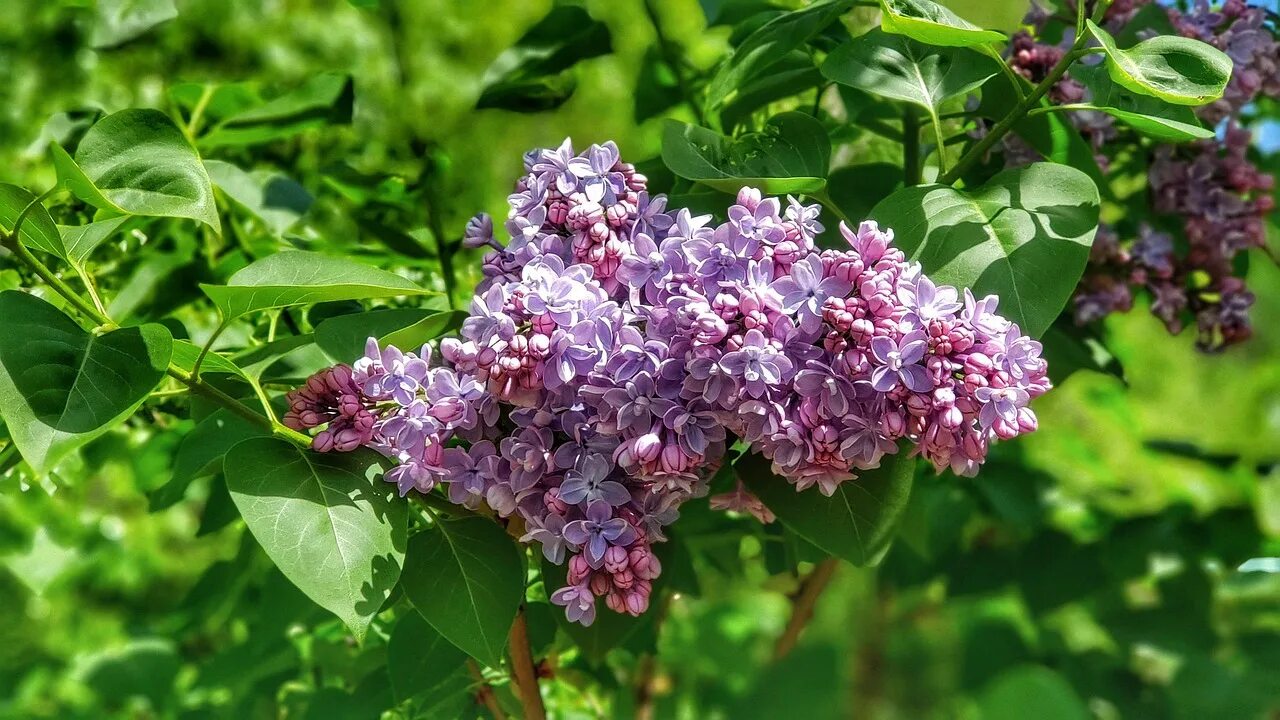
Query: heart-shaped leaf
x,y
331,525
933,24
466,577
1150,116
1024,236
856,523
420,660
791,155
1176,69
61,386
900,68
302,278
137,162
770,44
37,231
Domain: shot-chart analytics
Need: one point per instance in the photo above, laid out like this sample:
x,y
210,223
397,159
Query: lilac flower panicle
x,y
616,347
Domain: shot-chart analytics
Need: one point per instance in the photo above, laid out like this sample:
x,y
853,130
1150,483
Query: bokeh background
x,y
1081,575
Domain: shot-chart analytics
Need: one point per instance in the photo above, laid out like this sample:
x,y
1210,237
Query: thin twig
x,y
487,696
802,606
526,677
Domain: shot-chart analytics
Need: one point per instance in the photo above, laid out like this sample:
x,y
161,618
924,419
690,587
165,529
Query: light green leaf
x,y
419,659
899,68
41,564
272,197
933,24
856,523
119,21
38,231
1176,69
1032,689
82,240
137,162
429,328
769,44
342,338
326,99
302,278
791,155
1150,116
466,577
331,525
1024,235
60,386
185,354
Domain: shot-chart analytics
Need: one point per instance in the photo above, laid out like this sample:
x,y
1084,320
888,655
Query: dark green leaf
x,y
331,525
1024,236
933,24
857,189
657,88
419,659
137,162
219,509
38,231
770,44
793,75
431,327
273,198
1150,116
146,667
531,76
119,21
466,577
790,156
61,386
1176,69
303,278
326,99
201,453
856,523
343,338
1034,689
1068,348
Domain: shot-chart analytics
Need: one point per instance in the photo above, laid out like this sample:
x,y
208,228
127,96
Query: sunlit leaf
x,y
1150,116
38,231
119,21
932,23
1176,69
326,99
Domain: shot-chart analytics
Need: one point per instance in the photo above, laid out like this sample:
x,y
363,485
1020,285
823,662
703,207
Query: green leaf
x,y
531,75
1024,236
137,162
82,240
326,99
201,453
429,328
466,577
770,44
185,354
1150,116
793,75
933,24
38,231
118,21
1032,688
145,667
60,386
791,155
41,564
899,68
342,338
857,188
328,521
302,278
1176,69
419,659
657,86
856,523
1069,348
274,198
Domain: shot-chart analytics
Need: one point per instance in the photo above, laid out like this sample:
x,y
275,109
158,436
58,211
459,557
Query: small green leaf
x,y
466,577
118,21
275,199
419,659
185,354
899,68
137,162
856,523
326,99
1176,69
791,76
932,24
1024,236
770,44
201,453
342,338
791,155
82,240
302,278
38,231
60,386
331,525
429,328
1011,694
1150,116
532,75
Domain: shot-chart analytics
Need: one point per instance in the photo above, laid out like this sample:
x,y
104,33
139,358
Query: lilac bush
x,y
617,348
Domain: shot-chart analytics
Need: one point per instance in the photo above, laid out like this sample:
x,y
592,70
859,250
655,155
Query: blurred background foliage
x,y
1090,571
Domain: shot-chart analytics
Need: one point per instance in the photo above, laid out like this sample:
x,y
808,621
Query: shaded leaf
x,y
1176,69
201,453
275,199
531,75
791,155
419,659
343,337
82,240
326,99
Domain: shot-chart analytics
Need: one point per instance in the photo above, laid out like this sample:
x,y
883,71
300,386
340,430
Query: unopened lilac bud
x,y
579,568
479,232
615,559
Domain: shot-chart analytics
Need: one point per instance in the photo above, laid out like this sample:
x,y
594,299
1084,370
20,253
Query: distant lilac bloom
x,y
590,483
597,531
898,363
578,602
757,363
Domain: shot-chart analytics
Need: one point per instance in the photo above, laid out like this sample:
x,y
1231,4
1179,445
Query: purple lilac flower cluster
x,y
1210,189
615,349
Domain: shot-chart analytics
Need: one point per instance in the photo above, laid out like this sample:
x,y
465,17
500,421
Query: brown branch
x,y
802,606
486,694
526,677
